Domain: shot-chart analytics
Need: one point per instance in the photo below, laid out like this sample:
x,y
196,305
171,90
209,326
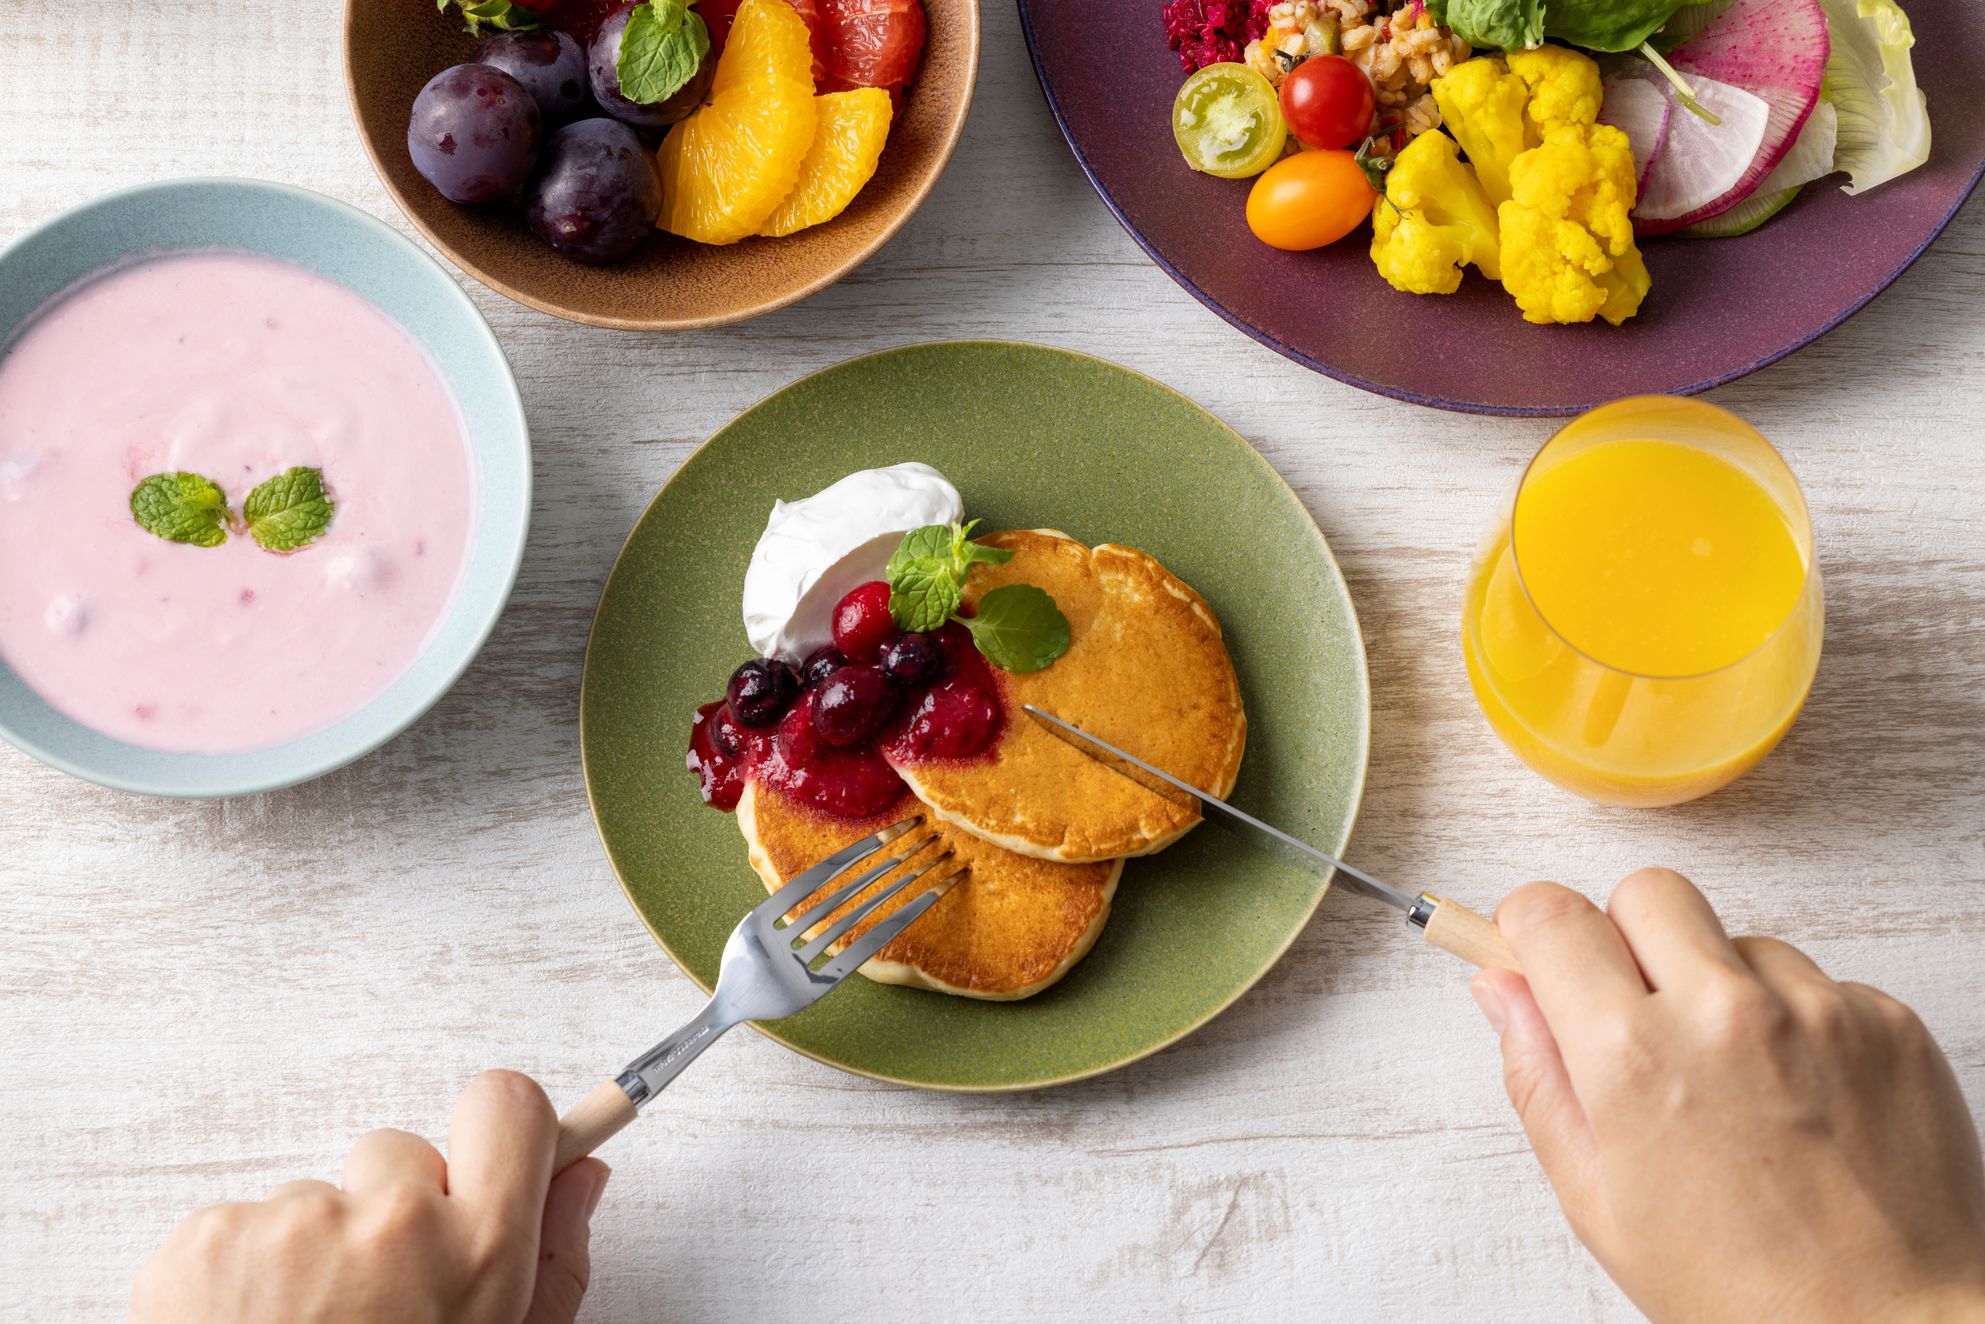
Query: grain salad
x,y
1402,52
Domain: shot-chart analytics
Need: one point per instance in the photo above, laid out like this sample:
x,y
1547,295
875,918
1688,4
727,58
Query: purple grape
x,y
474,134
550,65
603,64
598,195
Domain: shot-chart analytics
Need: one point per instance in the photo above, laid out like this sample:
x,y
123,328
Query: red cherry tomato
x,y
1309,200
1328,102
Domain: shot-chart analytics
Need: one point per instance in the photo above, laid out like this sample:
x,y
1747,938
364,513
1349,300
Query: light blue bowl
x,y
366,257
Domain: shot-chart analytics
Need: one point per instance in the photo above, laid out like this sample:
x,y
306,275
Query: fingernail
x,y
1490,1002
599,1189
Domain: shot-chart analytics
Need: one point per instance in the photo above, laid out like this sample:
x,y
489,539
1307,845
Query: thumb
x,y
1540,1090
564,1264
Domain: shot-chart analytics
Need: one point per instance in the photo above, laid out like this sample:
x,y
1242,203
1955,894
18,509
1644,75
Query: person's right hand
x,y
1734,1135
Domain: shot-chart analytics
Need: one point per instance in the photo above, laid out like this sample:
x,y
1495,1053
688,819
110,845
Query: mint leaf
x,y
928,570
932,543
924,595
1018,628
964,554
290,510
181,507
503,15
660,51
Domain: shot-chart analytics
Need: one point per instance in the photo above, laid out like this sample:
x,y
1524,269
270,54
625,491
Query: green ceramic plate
x,y
1034,438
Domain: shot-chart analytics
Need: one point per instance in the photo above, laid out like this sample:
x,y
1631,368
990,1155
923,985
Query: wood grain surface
x,y
198,1001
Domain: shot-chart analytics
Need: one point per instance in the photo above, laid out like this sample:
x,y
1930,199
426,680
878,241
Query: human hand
x,y
487,1235
1735,1136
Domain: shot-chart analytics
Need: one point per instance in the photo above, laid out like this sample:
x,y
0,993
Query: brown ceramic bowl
x,y
392,47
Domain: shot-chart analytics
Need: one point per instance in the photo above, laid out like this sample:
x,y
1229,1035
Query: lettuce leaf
x,y
1871,82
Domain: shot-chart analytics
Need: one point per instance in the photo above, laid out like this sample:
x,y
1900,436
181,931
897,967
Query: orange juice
x,y
1645,626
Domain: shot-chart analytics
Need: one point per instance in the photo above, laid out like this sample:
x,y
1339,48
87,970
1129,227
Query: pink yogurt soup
x,y
235,367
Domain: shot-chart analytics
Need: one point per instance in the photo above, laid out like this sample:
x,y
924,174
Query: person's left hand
x,y
485,1236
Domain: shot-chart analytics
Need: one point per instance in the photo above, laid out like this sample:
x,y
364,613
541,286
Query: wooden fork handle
x,y
1459,931
590,1123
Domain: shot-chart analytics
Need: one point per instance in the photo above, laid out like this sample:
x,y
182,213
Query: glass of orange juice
x,y
1644,623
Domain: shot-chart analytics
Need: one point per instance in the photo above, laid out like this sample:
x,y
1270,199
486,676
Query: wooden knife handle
x,y
1459,931
590,1122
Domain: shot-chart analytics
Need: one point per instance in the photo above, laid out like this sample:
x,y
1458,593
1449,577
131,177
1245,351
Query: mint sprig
x,y
928,570
181,507
503,15
1018,627
290,510
661,50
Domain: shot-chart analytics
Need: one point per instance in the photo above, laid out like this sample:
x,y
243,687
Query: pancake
x,y
1145,670
1006,930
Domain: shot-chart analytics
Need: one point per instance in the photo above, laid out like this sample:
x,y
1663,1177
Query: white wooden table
x,y
200,1000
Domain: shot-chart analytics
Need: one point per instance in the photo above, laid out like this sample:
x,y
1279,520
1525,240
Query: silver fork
x,y
771,968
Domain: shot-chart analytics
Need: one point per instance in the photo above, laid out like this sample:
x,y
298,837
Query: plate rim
x,y
1295,355
1274,958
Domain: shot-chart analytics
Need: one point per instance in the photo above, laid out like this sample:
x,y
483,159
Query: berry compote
x,y
830,745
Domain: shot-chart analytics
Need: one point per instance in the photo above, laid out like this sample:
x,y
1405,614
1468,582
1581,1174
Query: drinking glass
x,y
1592,723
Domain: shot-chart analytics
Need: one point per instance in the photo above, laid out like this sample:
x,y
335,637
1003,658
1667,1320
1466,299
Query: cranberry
x,y
760,690
852,705
820,664
912,659
719,773
729,735
955,719
862,623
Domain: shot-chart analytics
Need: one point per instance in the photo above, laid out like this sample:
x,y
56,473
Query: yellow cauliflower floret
x,y
1482,104
1563,86
1567,245
1433,220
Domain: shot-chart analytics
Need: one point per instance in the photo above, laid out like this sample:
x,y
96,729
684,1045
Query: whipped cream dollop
x,y
813,551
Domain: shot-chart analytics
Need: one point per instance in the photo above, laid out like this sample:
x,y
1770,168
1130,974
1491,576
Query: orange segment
x,y
849,131
727,167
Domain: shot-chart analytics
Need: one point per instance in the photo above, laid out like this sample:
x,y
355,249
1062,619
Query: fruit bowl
x,y
392,47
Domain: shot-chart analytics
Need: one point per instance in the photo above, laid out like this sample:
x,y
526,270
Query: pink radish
x,y
1642,111
1775,49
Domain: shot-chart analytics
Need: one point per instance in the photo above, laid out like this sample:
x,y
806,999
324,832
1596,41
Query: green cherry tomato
x,y
1228,122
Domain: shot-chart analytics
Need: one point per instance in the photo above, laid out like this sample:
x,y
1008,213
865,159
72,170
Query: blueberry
x,y
852,705
760,691
912,659
820,664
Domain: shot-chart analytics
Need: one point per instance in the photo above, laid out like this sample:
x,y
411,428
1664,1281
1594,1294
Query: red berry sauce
x,y
957,714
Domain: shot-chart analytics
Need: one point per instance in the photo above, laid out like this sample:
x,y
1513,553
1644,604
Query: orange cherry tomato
x,y
1309,200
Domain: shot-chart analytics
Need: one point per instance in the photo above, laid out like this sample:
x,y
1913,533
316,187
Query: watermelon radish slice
x,y
1777,51
1642,111
1811,158
1700,162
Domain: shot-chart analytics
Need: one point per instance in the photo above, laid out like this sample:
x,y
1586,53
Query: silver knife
x,y
1448,925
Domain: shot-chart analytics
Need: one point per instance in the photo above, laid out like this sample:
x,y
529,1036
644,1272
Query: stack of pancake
x,y
1041,829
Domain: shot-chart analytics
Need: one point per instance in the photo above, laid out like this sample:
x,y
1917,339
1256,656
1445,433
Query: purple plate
x,y
1720,308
